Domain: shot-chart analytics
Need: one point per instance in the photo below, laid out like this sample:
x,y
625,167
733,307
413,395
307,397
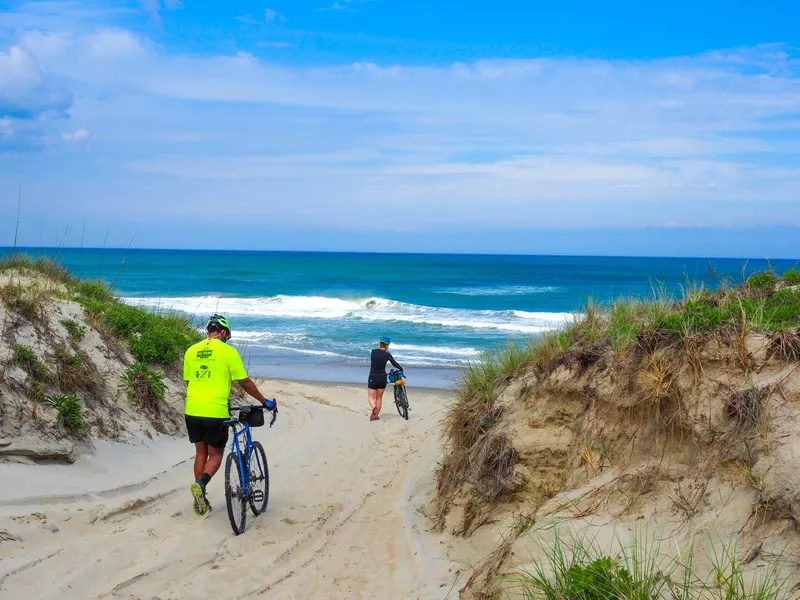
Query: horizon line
x,y
57,249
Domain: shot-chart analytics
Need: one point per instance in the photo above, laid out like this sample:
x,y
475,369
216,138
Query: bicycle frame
x,y
244,459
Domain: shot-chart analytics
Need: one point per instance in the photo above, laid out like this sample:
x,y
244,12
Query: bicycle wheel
x,y
401,400
234,497
259,479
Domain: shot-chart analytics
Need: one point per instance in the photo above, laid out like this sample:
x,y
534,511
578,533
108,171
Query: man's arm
x,y
250,387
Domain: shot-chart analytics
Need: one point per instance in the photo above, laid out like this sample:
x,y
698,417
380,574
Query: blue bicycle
x,y
249,484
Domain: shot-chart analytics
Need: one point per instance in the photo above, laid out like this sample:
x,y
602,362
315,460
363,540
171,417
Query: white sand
x,y
343,519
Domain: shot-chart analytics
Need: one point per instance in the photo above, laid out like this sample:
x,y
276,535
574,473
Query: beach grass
x,y
152,338
70,413
766,304
580,569
25,358
144,387
646,338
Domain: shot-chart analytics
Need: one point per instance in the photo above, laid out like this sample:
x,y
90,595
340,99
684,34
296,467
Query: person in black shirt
x,y
376,383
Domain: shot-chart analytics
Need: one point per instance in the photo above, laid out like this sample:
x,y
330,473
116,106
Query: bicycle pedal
x,y
258,496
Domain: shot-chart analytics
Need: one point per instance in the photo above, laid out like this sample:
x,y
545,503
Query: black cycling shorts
x,y
377,381
210,430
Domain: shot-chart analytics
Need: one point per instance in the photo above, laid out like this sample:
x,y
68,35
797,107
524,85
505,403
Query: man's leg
x,y
216,436
214,461
200,459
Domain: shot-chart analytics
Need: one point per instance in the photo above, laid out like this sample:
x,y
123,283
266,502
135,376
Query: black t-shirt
x,y
378,359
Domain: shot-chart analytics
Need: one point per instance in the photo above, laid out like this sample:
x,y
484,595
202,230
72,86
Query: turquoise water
x,y
317,315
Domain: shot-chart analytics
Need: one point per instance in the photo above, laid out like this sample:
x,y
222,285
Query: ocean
x,y
316,316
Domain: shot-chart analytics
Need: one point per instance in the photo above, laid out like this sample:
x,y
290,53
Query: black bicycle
x,y
249,484
397,378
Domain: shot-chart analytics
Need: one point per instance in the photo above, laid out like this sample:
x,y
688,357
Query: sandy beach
x,y
345,515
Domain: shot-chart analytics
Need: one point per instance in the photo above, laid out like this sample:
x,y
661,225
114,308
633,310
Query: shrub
x,y
75,330
144,387
782,309
157,345
792,277
93,290
125,320
70,414
26,359
762,280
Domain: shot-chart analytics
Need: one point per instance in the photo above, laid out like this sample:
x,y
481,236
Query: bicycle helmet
x,y
385,340
219,322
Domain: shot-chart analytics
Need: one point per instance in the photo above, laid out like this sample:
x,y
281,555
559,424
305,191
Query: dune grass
x,y
646,340
579,569
152,338
144,387
765,303
25,358
76,330
70,413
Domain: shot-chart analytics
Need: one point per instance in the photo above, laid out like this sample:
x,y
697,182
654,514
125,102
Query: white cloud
x,y
560,140
110,44
76,136
274,17
26,89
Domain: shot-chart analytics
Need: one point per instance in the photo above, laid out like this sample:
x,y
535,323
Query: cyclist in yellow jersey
x,y
209,367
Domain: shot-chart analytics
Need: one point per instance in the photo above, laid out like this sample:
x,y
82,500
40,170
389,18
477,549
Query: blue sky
x,y
533,127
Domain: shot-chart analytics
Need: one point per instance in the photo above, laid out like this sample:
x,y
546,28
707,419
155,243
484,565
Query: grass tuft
x,y
144,387
581,570
75,373
27,300
70,414
75,330
784,345
25,358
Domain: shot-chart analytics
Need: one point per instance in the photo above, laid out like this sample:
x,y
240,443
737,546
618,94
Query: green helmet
x,y
219,322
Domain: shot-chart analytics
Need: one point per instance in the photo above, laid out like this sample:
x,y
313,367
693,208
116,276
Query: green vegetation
x,y
153,338
144,386
75,330
27,300
629,323
580,570
70,414
762,279
26,359
74,373
791,277
49,267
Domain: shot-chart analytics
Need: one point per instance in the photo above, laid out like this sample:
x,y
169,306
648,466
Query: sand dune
x,y
345,516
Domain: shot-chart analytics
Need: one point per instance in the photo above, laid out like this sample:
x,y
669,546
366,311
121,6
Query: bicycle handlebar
x,y
274,411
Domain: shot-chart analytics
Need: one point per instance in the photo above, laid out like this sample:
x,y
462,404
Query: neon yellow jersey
x,y
210,366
